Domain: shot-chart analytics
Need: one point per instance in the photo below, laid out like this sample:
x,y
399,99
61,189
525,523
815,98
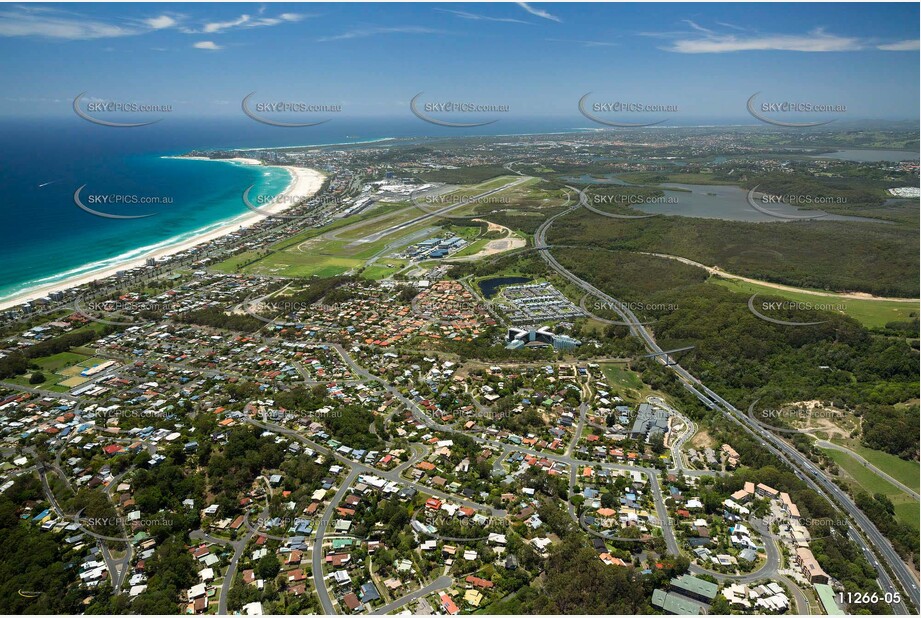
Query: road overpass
x,y
869,535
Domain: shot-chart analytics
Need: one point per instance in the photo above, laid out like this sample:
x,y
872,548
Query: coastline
x,y
305,182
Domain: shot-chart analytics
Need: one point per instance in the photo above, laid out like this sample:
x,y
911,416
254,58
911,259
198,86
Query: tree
x,y
37,378
657,442
268,567
720,606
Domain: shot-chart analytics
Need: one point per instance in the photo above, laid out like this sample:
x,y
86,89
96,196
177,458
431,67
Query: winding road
x,y
869,535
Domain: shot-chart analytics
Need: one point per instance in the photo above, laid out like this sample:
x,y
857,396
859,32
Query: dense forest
x,y
216,317
746,358
841,256
574,581
893,430
37,570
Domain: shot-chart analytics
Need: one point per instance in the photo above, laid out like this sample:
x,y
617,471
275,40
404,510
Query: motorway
x,y
866,464
799,462
804,469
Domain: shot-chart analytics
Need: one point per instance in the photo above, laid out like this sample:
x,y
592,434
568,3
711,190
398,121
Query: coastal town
x,y
391,398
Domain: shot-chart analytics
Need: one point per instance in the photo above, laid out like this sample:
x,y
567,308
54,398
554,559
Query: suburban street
x,y
439,584
317,557
462,326
806,470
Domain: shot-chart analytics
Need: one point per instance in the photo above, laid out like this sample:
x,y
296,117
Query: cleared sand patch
x,y
497,245
701,439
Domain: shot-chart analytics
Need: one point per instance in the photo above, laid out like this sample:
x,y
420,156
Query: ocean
x,y
48,239
42,163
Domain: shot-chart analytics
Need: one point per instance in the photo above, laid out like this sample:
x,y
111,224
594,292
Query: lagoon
x,y
729,203
489,287
871,155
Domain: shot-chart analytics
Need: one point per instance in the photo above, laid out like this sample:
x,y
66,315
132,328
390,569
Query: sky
x,y
536,58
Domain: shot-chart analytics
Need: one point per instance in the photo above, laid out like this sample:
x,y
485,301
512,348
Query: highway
x,y
799,462
908,490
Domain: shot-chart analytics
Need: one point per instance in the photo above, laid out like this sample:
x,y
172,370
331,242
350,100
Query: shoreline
x,y
305,182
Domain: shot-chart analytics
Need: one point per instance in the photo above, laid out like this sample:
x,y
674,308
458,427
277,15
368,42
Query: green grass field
x,y
394,215
60,360
907,472
908,512
870,313
382,269
906,509
494,183
230,264
316,253
472,249
57,368
466,232
23,380
620,377
321,257
85,351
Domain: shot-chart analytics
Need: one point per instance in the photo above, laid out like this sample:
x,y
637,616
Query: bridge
x,y
667,353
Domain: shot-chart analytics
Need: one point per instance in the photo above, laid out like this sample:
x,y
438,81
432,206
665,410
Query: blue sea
x,y
42,163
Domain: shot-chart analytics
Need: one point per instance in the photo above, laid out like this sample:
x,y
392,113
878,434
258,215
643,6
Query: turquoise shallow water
x,y
195,196
48,239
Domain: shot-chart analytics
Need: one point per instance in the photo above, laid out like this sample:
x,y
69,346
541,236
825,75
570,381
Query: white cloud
x,y
696,27
728,25
58,24
701,40
210,45
909,45
158,23
478,17
220,26
538,12
39,21
367,32
585,43
815,42
245,21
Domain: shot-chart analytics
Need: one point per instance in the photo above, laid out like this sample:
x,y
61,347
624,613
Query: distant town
x,y
417,392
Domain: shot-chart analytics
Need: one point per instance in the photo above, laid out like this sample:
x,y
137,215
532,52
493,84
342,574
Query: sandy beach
x,y
305,182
